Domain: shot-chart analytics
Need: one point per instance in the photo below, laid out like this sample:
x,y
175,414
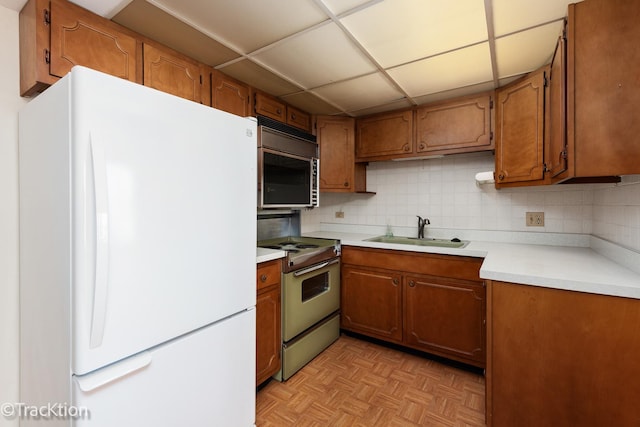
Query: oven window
x,y
314,286
287,180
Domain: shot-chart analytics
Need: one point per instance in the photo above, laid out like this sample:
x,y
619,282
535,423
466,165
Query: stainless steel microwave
x,y
288,166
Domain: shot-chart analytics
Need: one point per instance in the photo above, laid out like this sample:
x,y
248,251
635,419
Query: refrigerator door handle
x,y
101,281
103,376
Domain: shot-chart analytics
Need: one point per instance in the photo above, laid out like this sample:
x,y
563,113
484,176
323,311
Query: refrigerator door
x,y
190,379
163,217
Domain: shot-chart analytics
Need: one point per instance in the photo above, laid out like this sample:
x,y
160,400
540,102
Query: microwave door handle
x,y
315,267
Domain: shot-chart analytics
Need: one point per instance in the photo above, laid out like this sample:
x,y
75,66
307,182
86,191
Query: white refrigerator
x,y
137,258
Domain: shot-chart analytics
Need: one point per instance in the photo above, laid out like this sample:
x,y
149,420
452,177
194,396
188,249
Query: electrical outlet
x,y
340,214
535,219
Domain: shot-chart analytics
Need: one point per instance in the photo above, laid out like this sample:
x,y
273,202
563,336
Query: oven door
x,y
308,296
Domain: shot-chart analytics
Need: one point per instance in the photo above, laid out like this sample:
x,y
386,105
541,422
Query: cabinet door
x,y
269,106
604,88
268,342
455,126
385,136
583,347
78,37
298,118
556,147
446,317
268,320
172,73
520,130
372,302
336,140
230,95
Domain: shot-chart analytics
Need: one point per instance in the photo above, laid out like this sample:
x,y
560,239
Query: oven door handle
x,y
315,267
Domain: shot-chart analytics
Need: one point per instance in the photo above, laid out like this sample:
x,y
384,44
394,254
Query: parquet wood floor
x,y
360,383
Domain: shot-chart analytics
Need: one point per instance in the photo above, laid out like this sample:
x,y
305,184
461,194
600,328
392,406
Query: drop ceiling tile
x,y
359,93
507,80
515,15
105,8
245,25
452,70
454,93
317,57
16,5
395,105
260,78
338,7
527,50
399,31
150,21
310,103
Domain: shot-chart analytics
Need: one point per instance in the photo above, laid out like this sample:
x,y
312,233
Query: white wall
x,y
444,190
10,103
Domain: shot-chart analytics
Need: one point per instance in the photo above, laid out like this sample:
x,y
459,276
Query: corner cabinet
x,y
459,126
268,320
429,302
338,170
56,35
520,128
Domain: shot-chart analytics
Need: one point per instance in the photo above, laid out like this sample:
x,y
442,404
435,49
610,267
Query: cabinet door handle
x,y
263,278
346,184
501,176
412,283
395,281
278,111
293,116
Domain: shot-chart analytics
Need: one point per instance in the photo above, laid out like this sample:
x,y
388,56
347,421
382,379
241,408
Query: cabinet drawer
x,y
452,266
268,274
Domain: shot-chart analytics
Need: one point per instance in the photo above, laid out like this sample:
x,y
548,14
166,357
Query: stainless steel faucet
x,y
421,223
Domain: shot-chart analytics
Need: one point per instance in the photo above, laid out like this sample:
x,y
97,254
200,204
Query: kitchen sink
x,y
443,243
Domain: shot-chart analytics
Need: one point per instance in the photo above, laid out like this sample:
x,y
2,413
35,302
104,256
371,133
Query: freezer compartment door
x,y
202,379
163,217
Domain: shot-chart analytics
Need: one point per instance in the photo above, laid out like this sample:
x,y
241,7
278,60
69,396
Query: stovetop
x,y
303,251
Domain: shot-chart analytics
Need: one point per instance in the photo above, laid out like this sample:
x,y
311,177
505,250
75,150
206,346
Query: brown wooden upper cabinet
x,y
56,35
603,94
171,72
338,171
230,95
520,130
270,106
385,136
457,126
298,118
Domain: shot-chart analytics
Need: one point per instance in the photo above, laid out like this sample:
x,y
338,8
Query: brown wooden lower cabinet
x,y
268,320
561,358
434,303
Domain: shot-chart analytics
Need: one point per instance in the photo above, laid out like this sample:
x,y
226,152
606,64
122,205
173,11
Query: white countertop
x,y
264,254
576,268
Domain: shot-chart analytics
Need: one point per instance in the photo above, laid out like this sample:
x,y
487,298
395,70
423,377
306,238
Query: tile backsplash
x,y
444,190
